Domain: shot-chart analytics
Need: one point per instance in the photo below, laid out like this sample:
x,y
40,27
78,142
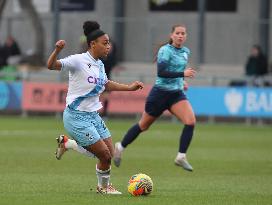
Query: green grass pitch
x,y
232,165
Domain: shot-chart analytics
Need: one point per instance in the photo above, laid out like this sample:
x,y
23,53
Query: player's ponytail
x,y
92,31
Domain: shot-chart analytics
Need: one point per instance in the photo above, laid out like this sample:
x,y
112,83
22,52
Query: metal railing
x,y
200,80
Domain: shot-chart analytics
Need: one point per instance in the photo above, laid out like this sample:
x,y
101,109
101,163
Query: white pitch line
x,y
28,132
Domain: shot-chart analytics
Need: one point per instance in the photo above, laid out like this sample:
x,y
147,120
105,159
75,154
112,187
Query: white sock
x,y
103,177
120,147
181,155
72,144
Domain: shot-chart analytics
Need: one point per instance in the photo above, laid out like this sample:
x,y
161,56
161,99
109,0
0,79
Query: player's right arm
x,y
52,62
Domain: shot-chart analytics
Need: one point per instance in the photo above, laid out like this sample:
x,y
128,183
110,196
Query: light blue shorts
x,y
86,128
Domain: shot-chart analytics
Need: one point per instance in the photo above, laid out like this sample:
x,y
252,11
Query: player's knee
x,y
106,157
190,121
144,127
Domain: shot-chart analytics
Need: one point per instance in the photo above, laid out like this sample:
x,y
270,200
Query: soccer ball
x,y
140,184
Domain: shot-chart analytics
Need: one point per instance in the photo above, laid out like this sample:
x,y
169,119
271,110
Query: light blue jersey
x,y
176,60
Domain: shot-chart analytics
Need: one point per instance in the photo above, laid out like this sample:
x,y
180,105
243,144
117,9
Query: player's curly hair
x,y
92,31
90,26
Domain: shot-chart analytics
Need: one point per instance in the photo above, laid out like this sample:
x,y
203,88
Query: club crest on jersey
x,y
185,56
98,81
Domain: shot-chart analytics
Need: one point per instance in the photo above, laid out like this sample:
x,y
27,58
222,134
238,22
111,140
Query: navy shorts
x,y
160,100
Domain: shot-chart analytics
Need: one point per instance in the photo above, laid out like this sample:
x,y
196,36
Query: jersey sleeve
x,y
163,55
187,50
68,63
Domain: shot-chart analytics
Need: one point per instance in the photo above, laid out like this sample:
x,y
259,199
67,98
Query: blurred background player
x,y
10,52
256,66
167,94
10,57
12,48
87,79
109,62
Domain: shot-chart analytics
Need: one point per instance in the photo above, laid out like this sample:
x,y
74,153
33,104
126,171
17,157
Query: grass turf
x,y
232,165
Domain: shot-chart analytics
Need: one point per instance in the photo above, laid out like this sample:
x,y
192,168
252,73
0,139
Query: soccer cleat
x,y
182,162
109,190
61,148
117,154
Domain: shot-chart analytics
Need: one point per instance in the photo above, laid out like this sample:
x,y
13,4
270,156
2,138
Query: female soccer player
x,y
167,94
87,79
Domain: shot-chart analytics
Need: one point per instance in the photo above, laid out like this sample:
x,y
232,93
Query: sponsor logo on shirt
x,y
94,80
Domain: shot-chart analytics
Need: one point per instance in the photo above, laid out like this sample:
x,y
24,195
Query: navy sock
x,y
131,135
185,138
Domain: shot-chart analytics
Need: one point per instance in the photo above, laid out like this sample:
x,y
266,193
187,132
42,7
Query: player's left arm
x,y
114,86
189,72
